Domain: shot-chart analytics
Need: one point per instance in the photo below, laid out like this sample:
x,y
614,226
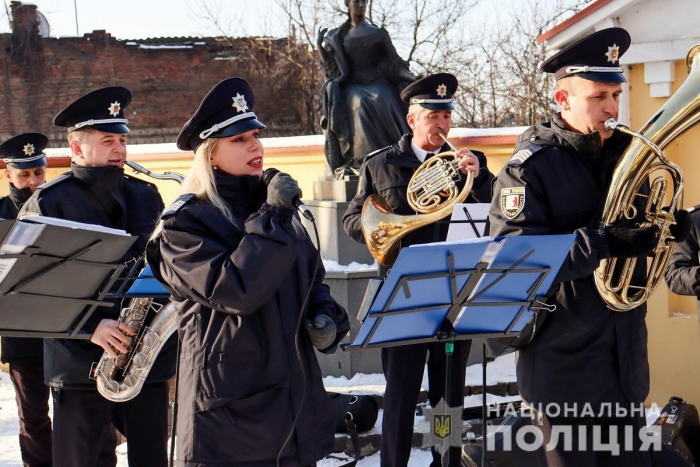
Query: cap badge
x,y
114,108
613,53
28,149
441,90
239,103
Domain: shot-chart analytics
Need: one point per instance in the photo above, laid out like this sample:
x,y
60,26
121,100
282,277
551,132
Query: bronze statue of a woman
x,y
362,110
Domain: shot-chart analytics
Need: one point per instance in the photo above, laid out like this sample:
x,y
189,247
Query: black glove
x,y
321,331
281,190
681,229
630,242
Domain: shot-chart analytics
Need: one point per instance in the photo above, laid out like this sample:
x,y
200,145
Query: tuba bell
x,y
640,160
432,192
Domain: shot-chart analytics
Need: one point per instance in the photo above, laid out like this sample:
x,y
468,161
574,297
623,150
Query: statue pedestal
x,y
331,199
336,190
348,289
335,244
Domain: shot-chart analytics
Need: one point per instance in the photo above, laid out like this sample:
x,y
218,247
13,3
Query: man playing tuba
x,y
387,172
586,372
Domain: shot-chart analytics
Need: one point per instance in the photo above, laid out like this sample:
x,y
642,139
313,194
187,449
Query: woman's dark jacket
x,y
239,288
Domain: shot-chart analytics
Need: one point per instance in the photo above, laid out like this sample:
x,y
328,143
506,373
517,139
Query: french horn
x,y
432,192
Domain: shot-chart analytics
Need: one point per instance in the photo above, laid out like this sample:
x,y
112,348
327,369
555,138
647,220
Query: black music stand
x,y
444,292
54,274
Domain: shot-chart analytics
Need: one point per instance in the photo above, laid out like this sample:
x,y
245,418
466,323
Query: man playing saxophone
x,y
387,172
96,191
586,372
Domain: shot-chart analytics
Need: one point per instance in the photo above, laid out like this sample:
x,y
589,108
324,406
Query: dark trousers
x,y
84,424
583,454
403,367
33,408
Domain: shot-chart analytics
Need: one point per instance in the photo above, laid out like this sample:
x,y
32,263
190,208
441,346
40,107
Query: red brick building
x,y
168,77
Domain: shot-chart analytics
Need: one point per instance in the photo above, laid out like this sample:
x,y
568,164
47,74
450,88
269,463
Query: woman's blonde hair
x,y
200,182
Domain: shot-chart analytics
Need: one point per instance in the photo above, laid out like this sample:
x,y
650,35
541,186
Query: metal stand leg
x,y
483,407
173,427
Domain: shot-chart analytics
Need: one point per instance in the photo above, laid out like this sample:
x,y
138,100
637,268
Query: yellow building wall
x,y
304,165
674,333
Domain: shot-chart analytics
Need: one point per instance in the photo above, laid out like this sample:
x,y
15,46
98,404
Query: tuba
x,y
121,379
642,158
432,192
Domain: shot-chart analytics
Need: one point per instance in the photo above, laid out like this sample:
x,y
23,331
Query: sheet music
x,y
18,238
468,221
74,225
454,242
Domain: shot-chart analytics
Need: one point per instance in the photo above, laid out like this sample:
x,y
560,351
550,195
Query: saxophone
x,y
121,379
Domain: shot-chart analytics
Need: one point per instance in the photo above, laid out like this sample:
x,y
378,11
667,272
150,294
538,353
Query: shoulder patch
x,y
177,205
55,181
512,201
524,154
374,153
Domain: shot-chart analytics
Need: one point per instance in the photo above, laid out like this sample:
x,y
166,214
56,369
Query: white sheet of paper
x,y
460,228
73,225
18,238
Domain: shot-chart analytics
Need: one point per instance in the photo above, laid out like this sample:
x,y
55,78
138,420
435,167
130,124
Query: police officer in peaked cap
x,y
96,191
584,357
387,172
25,168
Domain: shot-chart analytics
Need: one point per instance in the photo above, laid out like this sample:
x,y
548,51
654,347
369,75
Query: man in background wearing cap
x,y
387,172
585,357
96,191
26,169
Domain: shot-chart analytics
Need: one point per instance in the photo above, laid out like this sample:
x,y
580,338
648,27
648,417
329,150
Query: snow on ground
x,y
418,458
502,370
334,266
9,424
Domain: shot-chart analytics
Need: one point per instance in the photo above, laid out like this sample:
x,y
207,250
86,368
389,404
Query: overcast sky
x,y
138,19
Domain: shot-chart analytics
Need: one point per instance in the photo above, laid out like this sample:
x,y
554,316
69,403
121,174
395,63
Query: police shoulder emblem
x,y
512,201
177,204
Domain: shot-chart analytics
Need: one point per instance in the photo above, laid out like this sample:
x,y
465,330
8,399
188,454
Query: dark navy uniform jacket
x,y
682,274
239,286
102,196
18,349
387,173
584,352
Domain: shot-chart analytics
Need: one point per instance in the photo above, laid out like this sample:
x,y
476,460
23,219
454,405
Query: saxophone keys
x,y
140,361
112,386
130,381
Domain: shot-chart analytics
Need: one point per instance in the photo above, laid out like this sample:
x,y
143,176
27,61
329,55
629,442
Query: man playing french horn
x,y
387,172
96,191
586,371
